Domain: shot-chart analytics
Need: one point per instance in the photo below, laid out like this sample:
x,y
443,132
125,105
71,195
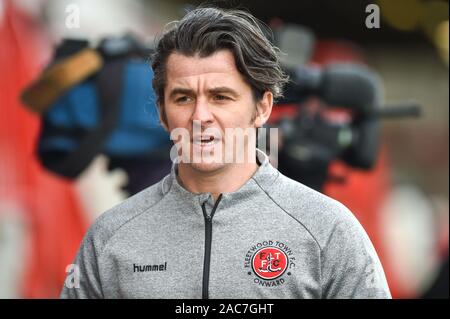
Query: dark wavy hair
x,y
203,31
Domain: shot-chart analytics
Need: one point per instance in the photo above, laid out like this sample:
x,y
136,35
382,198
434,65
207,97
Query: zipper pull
x,y
205,213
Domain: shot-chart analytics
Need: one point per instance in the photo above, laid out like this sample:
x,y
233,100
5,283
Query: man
x,y
216,228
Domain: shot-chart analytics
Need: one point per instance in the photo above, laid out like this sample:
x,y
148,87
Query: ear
x,y
163,117
264,109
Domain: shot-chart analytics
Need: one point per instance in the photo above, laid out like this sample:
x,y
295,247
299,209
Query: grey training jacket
x,y
273,238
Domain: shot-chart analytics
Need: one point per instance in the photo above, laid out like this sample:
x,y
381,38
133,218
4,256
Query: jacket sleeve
x,y
83,279
350,265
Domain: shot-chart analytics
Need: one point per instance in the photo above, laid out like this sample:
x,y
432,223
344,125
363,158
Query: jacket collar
x,y
263,178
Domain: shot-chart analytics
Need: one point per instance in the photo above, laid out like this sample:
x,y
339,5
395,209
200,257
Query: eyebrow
x,y
215,90
223,89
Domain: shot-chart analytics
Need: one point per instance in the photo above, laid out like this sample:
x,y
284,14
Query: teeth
x,y
207,141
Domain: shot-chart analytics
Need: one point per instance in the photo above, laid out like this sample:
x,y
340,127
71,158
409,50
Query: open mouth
x,y
205,140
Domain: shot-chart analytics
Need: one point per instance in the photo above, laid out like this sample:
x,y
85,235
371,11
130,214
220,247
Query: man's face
x,y
206,96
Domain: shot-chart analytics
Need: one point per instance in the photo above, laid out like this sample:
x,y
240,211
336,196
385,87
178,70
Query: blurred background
x,y
364,120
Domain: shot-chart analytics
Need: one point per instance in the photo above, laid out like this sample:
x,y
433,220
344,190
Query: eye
x,y
183,99
220,97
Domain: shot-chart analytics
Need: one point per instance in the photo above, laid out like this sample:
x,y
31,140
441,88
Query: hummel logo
x,y
145,268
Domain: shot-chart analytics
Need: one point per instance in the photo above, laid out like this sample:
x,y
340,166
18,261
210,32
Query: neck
x,y
223,180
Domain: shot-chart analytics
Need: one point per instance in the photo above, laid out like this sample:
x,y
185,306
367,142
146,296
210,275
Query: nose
x,y
202,112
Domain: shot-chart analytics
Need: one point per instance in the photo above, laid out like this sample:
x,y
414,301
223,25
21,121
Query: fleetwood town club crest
x,y
270,262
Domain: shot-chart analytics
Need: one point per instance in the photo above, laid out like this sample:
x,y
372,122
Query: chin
x,y
207,167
